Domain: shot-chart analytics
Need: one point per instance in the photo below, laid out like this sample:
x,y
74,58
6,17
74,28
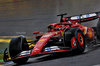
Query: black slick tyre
x,y
79,39
98,30
16,46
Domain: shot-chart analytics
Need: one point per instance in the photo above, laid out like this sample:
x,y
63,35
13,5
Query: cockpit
x,y
58,26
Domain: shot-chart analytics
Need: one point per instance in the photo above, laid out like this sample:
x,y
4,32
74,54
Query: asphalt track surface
x,y
91,57
27,16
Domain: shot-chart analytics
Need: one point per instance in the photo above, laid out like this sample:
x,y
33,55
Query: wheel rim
x,y
74,42
80,39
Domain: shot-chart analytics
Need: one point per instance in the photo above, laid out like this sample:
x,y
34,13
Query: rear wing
x,y
81,17
85,17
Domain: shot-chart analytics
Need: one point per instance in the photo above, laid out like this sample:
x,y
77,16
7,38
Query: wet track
x,y
91,57
26,16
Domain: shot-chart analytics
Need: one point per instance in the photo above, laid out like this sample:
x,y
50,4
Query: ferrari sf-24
x,y
68,35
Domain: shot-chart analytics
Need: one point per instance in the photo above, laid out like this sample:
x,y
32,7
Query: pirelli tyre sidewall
x,y
80,41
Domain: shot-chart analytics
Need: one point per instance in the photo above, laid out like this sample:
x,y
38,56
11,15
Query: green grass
x,y
1,61
1,57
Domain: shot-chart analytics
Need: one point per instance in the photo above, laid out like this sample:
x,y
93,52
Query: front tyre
x,y
16,46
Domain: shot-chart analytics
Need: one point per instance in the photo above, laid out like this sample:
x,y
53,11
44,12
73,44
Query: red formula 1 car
x,y
67,35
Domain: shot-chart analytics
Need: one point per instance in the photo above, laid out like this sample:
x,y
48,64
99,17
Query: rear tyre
x,y
98,30
79,40
15,47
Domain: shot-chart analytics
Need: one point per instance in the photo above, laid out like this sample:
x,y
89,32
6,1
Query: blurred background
x,y
23,17
26,16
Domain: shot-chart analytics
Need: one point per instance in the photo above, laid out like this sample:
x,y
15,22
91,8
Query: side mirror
x,y
37,32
